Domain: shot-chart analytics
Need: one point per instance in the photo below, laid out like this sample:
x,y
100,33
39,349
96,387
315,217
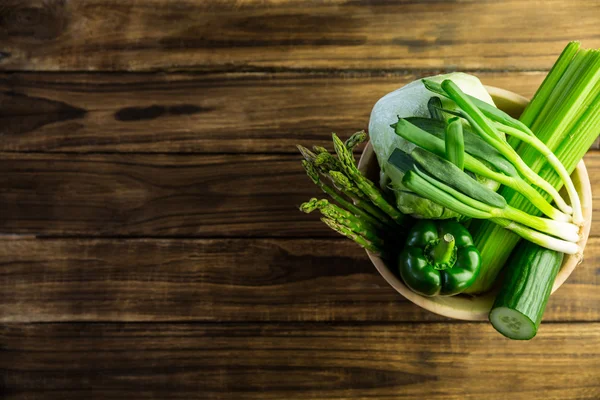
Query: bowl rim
x,y
477,307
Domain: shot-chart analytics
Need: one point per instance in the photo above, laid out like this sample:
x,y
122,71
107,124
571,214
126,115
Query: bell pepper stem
x,y
442,252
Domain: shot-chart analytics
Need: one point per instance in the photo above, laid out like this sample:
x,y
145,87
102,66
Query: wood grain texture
x,y
61,35
156,195
225,280
165,195
160,113
402,361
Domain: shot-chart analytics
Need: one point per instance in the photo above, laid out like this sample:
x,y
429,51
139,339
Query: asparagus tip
x,y
306,153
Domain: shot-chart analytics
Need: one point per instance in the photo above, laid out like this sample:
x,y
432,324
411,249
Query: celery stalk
x,y
568,128
541,96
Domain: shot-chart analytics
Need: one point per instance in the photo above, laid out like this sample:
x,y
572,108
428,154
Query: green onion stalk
x,y
563,230
432,189
554,162
421,138
490,134
455,143
516,129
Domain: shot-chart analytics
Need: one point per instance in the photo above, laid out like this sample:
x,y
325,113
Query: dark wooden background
x,y
151,247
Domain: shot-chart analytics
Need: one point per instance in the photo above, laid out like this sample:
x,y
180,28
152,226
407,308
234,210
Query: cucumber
x,y
520,304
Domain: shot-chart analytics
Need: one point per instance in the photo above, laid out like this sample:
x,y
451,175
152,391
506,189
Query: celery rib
x,y
565,116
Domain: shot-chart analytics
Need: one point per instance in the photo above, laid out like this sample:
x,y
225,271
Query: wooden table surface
x,y
151,246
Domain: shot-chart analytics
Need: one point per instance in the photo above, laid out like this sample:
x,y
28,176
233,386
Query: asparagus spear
x,y
307,154
313,174
327,162
344,218
351,235
355,140
359,197
347,160
332,168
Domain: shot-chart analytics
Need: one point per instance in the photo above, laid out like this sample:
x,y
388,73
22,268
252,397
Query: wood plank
x,y
238,113
104,195
155,195
225,280
146,35
399,361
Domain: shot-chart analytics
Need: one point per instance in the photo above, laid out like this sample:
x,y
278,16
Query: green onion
x,y
434,105
538,238
554,162
563,230
437,146
490,134
455,143
474,145
418,183
449,173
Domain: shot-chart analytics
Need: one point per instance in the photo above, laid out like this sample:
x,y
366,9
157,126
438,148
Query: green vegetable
x,y
313,174
508,125
411,101
509,218
362,213
487,109
347,160
436,146
455,143
439,259
348,187
451,175
474,145
529,138
520,304
490,134
434,106
355,140
540,98
343,217
350,234
568,127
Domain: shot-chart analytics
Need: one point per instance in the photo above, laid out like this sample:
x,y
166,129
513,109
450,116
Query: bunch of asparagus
x,y
360,212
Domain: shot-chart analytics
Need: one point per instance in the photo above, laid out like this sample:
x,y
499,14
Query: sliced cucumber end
x,y
512,324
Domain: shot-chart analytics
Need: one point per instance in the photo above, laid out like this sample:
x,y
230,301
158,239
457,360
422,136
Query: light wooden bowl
x,y
467,307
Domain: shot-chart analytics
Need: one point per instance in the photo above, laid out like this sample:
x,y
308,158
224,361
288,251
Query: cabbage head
x,y
411,101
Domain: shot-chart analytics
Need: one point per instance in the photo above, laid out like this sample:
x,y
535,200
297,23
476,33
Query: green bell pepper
x,y
439,258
